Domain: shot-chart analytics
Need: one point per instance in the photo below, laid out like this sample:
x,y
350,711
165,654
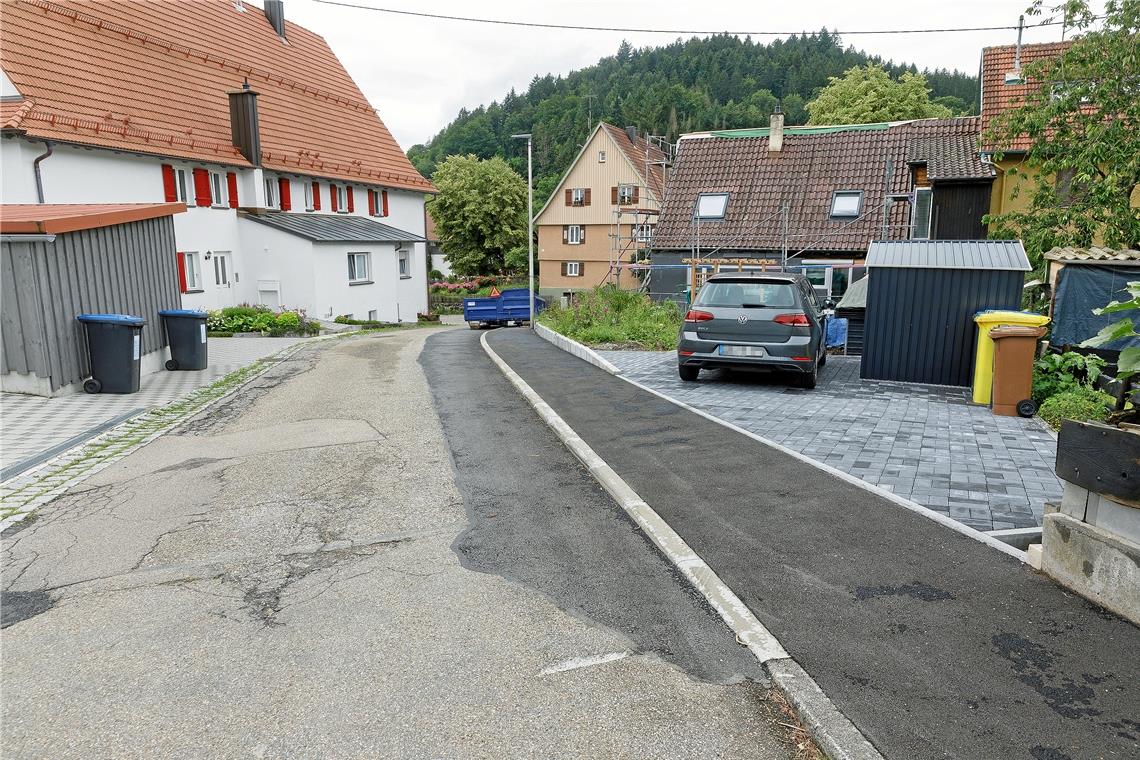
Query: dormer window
x,y
711,206
846,203
271,192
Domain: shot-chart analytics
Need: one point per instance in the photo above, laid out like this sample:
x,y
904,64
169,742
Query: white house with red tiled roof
x,y
297,194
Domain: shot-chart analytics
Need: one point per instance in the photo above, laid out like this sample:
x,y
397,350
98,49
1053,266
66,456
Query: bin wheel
x,y
1027,407
171,365
92,385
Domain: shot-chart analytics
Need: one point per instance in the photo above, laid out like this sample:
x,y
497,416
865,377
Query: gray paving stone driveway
x,y
926,443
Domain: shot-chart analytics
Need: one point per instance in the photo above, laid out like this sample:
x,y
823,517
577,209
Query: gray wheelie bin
x,y
186,334
114,343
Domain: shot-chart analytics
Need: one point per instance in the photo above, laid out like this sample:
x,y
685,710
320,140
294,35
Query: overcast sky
x,y
419,72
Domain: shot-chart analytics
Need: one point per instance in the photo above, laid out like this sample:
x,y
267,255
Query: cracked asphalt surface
x,y
301,572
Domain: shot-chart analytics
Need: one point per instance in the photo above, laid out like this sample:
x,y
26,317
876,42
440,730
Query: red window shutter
x,y
231,183
586,200
564,268
182,272
348,191
286,202
613,196
636,193
569,197
316,196
168,189
384,202
332,197
202,187
371,202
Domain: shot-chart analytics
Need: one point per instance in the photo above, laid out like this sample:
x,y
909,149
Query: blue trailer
x,y
501,310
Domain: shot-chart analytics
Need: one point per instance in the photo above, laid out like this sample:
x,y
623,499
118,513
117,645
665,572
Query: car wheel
x,y
809,378
823,358
688,374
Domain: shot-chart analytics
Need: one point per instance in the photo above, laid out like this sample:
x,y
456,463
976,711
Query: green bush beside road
x,y
610,316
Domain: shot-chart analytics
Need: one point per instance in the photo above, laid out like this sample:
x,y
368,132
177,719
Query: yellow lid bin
x,y
984,356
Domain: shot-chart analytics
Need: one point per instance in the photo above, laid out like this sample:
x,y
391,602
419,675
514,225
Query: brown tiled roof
x,y
46,218
1092,255
997,96
12,112
813,164
949,157
637,151
152,77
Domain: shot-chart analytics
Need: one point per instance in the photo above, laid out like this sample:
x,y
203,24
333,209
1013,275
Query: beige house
x,y
602,213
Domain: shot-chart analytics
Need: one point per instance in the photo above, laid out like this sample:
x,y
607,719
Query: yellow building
x,y
602,213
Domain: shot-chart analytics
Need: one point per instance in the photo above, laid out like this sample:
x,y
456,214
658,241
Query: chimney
x,y
776,131
631,133
243,123
275,12
1014,77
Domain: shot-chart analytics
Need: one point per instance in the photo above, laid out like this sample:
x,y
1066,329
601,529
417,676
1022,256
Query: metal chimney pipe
x,y
275,12
631,132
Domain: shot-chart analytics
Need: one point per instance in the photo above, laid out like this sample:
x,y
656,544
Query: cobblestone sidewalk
x,y
925,443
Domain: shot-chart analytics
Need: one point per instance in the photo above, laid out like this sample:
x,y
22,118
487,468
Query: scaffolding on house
x,y
632,227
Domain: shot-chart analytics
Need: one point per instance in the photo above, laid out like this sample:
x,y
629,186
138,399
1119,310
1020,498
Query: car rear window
x,y
772,295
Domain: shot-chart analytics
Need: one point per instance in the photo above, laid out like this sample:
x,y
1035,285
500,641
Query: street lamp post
x,y
529,220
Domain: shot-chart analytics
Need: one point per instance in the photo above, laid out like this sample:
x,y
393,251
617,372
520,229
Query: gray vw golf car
x,y
754,320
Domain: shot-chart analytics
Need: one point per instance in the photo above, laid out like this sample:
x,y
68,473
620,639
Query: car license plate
x,y
742,351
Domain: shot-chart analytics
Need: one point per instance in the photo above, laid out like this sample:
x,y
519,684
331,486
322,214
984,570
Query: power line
x,y
698,32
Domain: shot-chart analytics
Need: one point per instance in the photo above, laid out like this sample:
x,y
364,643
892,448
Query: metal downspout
x,y
39,176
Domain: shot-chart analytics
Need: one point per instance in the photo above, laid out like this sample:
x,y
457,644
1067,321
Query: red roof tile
x,y
643,155
41,218
813,163
154,78
997,96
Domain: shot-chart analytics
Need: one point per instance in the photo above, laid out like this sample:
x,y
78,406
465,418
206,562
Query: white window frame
x,y
341,199
404,260
574,234
182,183
578,196
193,265
271,199
223,275
643,232
219,192
711,206
844,213
308,195
573,269
625,194
601,156
354,274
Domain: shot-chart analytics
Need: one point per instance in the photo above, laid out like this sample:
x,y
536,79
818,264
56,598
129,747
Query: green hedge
x,y
611,316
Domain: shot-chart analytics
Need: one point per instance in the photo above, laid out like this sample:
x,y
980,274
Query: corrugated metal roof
x,y
1094,255
334,228
1008,255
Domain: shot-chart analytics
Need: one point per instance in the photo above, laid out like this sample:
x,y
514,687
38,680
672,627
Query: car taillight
x,y
695,315
800,320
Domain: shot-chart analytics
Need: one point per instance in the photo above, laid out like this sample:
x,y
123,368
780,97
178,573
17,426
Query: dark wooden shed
x,y
921,300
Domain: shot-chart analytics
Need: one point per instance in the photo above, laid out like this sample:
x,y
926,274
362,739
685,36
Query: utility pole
x,y
529,220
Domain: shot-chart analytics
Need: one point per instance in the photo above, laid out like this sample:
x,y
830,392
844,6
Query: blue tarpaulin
x,y
836,332
1082,288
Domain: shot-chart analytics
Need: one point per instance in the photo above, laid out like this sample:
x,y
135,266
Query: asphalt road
x,y
279,577
935,645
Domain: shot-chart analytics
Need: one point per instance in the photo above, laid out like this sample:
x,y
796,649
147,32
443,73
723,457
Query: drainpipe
x,y
39,176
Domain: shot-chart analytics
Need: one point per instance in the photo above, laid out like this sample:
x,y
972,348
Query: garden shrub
x,y
1082,403
609,315
1059,373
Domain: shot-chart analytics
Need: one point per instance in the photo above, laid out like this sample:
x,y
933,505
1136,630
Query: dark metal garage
x,y
921,299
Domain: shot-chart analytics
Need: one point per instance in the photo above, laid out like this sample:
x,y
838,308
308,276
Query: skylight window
x,y
711,205
846,203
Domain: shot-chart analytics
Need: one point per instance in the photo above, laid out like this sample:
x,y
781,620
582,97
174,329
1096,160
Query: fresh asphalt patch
x,y
934,644
538,518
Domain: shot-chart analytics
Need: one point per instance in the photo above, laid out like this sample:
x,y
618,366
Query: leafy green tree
x,y
867,94
1083,122
479,214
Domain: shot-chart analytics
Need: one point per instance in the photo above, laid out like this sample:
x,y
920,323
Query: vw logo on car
x,y
742,319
